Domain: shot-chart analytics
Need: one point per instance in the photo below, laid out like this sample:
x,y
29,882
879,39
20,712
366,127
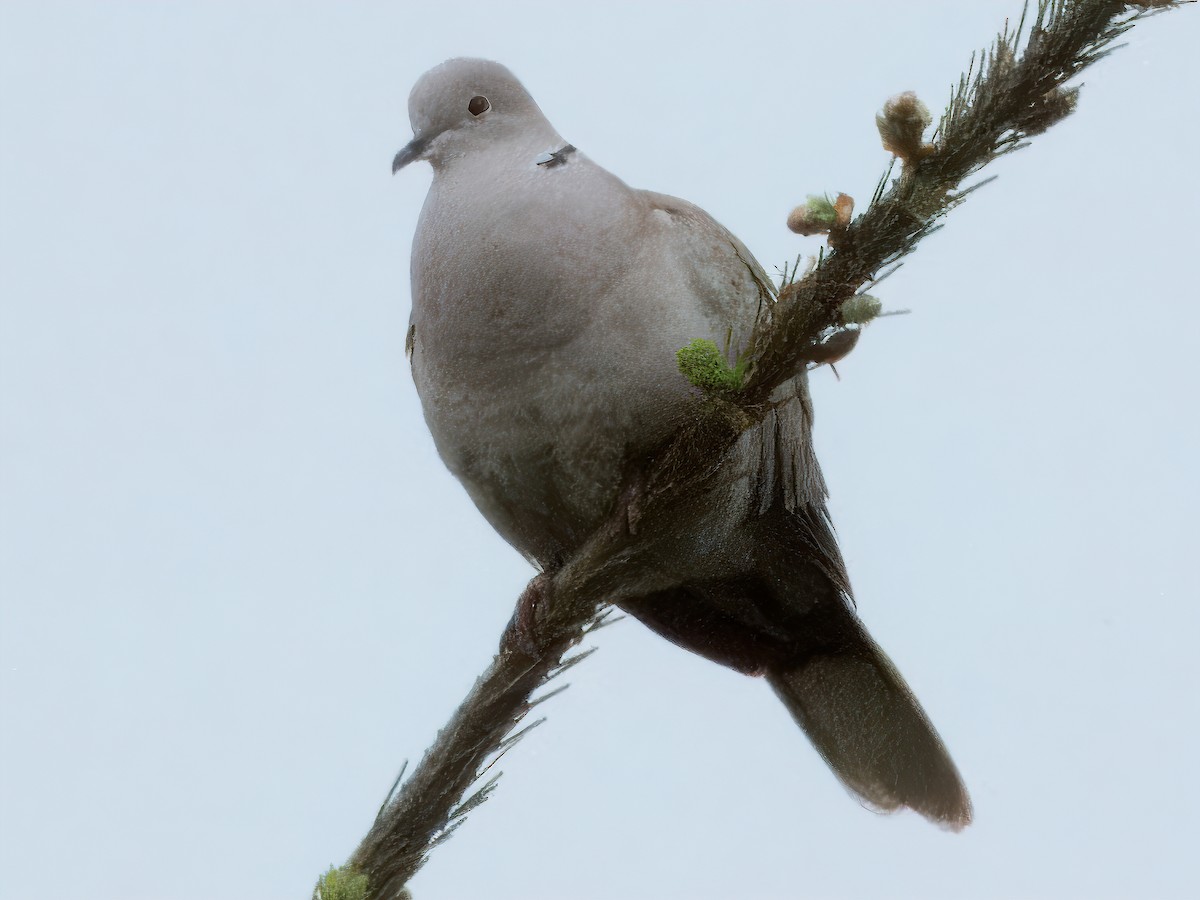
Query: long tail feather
x,y
870,729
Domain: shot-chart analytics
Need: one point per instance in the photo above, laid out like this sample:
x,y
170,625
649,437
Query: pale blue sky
x,y
237,587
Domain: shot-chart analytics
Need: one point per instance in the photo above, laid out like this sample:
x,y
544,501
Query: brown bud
x,y
817,216
902,127
834,348
802,221
843,207
820,215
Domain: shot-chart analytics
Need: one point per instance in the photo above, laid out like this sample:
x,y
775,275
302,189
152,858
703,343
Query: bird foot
x,y
522,632
629,502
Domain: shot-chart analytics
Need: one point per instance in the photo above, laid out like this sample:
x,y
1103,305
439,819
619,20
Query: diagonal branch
x,y
1003,99
1012,91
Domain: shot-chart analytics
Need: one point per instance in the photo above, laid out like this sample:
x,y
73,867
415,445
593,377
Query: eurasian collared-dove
x,y
549,300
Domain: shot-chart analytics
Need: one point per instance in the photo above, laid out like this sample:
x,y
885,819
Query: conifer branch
x,y
1014,90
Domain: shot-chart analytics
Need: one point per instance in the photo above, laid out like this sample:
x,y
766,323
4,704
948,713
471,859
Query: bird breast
x,y
543,352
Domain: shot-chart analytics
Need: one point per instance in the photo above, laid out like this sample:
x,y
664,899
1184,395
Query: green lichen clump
x,y
346,883
704,366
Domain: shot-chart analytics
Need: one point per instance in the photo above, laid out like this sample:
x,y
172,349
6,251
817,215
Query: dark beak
x,y
412,150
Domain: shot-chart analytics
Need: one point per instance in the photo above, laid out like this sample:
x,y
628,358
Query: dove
x,y
549,300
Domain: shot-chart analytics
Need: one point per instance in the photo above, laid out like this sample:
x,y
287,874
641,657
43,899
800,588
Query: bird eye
x,y
478,106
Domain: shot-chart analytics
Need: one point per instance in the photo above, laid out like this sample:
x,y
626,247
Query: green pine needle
x,y
821,209
861,309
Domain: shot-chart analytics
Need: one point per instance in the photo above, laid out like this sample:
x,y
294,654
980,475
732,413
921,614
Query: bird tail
x,y
870,729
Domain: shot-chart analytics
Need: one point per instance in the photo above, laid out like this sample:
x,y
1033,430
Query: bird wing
x,y
731,291
729,286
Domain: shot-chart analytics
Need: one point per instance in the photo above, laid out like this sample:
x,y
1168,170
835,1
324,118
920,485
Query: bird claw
x,y
630,501
521,635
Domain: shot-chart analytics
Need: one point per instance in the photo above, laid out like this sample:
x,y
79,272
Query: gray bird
x,y
549,300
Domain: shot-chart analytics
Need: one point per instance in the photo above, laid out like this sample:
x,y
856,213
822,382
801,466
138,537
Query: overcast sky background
x,y
238,588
